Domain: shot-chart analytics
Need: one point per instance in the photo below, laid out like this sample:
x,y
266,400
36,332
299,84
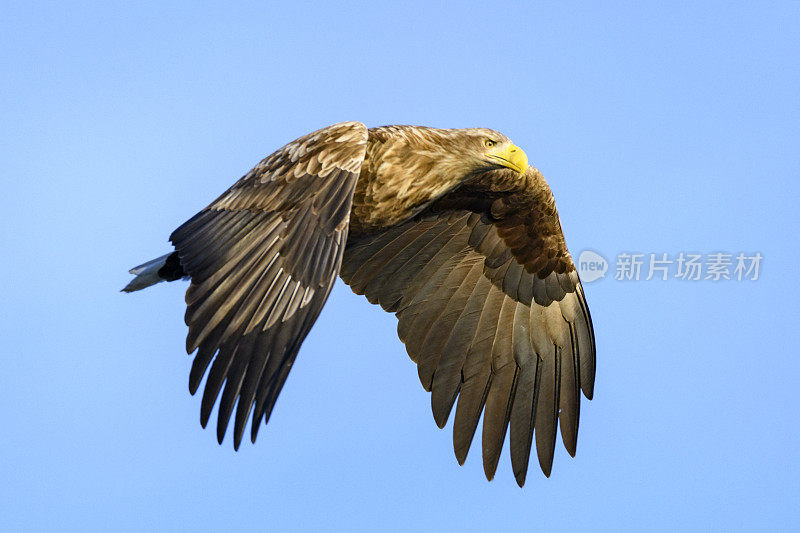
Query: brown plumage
x,y
449,229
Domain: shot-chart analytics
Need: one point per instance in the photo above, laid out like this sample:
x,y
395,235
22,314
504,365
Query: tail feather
x,y
146,274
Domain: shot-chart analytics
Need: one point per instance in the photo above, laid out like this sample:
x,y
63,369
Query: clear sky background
x,y
661,127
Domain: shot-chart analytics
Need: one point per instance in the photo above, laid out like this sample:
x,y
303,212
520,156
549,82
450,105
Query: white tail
x,y
146,274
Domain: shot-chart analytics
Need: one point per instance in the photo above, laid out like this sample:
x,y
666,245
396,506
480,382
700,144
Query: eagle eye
x,y
489,143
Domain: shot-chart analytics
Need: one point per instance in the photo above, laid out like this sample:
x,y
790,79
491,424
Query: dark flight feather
x,y
262,255
424,270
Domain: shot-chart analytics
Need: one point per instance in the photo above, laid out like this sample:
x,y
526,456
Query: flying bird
x,y
450,229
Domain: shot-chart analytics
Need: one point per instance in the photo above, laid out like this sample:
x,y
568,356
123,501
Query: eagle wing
x,y
491,309
262,259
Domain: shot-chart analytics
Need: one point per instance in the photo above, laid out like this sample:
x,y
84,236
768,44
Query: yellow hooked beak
x,y
512,157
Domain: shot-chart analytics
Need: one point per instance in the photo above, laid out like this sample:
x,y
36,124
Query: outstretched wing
x,y
262,259
491,309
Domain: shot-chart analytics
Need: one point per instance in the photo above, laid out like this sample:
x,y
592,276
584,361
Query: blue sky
x,y
660,128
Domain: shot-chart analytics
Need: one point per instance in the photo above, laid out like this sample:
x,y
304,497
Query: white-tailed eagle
x,y
451,230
